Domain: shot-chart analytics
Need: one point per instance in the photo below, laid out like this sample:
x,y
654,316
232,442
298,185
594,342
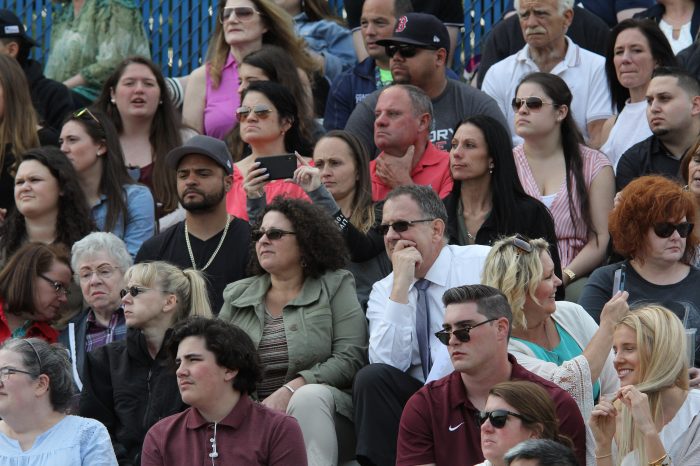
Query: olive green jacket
x,y
325,327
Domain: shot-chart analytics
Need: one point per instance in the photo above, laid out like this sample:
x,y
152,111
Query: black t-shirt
x,y
228,266
450,12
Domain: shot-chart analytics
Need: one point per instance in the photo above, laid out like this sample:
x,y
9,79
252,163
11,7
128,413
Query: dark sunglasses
x,y
241,13
273,234
497,417
261,111
406,50
462,334
134,291
532,103
666,229
59,287
80,113
401,225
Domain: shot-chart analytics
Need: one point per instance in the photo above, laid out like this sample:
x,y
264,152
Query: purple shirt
x,y
251,434
220,103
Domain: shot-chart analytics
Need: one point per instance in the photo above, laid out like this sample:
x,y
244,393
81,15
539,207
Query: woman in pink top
x,y
575,182
243,26
269,122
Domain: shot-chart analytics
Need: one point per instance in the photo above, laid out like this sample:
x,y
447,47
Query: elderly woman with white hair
x,y
99,261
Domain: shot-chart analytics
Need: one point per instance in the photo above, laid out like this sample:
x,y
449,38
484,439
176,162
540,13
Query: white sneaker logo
x,y
452,429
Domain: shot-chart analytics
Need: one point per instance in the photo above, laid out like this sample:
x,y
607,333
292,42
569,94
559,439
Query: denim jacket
x,y
329,39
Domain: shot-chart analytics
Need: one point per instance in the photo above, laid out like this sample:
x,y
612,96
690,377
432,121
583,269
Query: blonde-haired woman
x,y
129,385
242,27
654,418
556,340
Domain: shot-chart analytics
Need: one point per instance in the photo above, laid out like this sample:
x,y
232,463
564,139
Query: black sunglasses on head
x,y
497,417
406,50
273,234
462,334
401,225
666,229
532,103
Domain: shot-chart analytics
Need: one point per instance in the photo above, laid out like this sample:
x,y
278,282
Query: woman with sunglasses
x,y
130,385
635,47
653,418
556,340
36,429
118,204
243,26
33,291
652,227
47,194
269,123
301,311
575,182
136,99
516,411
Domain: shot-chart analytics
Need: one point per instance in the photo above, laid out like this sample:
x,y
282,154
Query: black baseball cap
x,y
207,146
420,29
11,26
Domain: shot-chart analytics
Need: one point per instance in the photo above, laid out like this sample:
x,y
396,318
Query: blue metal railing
x,y
179,30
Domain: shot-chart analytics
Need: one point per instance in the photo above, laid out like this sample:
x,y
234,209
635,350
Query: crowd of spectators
x,y
336,250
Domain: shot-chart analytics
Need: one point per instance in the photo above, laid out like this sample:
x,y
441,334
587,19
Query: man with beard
x,y
208,240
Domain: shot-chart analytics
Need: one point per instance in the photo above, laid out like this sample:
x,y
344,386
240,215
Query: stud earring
x,y
491,167
113,101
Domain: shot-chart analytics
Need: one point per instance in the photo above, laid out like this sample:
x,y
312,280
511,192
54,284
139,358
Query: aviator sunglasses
x,y
532,103
241,13
401,226
261,111
462,334
497,417
666,229
273,234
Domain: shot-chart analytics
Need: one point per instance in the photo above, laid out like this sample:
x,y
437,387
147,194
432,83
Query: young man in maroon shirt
x,y
438,424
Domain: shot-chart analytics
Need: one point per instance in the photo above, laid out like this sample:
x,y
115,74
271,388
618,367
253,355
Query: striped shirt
x,y
273,355
570,240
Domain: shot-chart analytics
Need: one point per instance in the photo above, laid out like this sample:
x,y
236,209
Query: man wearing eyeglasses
x,y
438,423
417,51
544,24
404,312
208,240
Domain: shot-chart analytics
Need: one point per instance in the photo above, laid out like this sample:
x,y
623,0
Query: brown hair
x,y
280,31
19,123
534,403
18,276
646,201
685,162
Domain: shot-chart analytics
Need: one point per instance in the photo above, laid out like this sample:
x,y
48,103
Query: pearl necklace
x,y
216,251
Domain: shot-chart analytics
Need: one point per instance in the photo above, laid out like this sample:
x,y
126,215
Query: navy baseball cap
x,y
207,146
11,26
419,29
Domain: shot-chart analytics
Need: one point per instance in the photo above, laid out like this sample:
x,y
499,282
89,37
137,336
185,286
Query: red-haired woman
x,y
652,226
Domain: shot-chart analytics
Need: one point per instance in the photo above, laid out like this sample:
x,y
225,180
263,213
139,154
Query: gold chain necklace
x,y
216,251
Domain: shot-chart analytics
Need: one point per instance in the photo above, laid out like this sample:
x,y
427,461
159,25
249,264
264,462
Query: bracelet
x,y
569,273
663,461
602,456
289,388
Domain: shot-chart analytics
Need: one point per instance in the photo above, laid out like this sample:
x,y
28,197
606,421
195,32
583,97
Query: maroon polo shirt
x,y
438,424
251,434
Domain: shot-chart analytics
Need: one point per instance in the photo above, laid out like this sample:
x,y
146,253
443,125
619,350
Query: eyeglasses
x,y
6,372
532,103
666,229
273,234
261,111
134,291
59,287
103,273
406,50
497,417
462,334
401,225
241,13
83,111
522,244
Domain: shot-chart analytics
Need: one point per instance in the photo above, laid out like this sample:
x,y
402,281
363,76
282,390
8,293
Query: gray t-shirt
x,y
457,102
